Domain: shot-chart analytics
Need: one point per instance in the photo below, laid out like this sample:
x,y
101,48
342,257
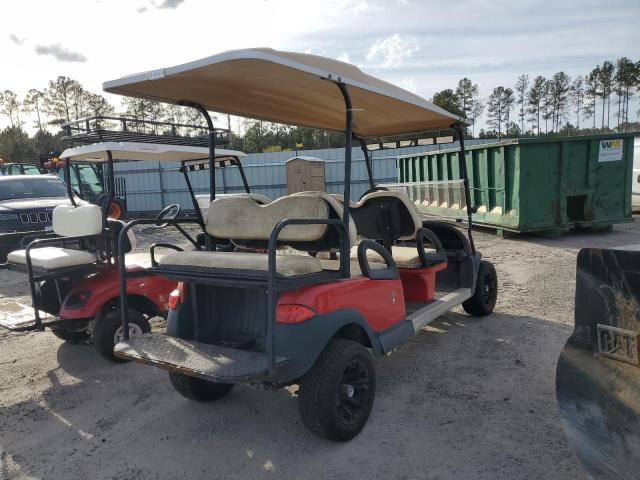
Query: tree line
x,y
558,105
65,100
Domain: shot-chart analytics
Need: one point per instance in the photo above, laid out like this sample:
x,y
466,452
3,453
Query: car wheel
x,y
336,396
484,298
108,331
198,389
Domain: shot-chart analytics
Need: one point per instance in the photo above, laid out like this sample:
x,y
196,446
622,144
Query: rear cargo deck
x,y
19,317
202,360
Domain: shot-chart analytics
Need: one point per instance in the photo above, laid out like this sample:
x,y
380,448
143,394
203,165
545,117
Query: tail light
x,y
177,296
77,300
289,314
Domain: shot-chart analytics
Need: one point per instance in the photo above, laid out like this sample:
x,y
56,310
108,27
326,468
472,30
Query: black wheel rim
x,y
353,392
489,289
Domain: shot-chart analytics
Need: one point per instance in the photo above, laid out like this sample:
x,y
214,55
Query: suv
x,y
26,205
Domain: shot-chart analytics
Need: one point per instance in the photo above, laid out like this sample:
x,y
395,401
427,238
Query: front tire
x,y
336,396
484,298
108,331
71,336
197,389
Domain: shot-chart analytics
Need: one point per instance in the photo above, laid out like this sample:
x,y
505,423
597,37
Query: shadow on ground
x,y
465,398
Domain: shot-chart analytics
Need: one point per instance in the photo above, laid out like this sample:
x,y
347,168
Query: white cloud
x,y
17,40
60,53
392,51
344,57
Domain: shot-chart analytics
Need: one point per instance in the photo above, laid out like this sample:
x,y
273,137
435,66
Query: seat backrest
x,y
115,227
203,200
246,222
81,220
387,216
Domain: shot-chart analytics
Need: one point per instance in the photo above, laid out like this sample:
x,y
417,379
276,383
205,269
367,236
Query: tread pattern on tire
x,y
197,389
319,381
475,305
105,329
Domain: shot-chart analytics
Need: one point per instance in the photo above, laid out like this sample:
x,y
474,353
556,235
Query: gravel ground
x,y
466,398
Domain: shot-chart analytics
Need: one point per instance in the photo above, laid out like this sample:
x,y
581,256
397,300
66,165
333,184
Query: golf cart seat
x,y
68,221
390,216
204,202
249,224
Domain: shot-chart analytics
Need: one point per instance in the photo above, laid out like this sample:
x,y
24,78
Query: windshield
x,y
91,184
31,170
18,188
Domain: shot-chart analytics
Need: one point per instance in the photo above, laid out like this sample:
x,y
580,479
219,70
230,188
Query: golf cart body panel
x,y
87,299
277,317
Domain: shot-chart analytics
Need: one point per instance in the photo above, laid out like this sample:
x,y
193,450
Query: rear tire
x,y
336,396
484,298
71,336
197,389
108,331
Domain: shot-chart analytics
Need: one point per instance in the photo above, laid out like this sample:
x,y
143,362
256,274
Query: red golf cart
x,y
74,275
293,315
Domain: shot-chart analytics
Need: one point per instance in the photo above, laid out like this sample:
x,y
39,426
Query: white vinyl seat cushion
x,y
52,258
140,261
404,256
287,265
81,220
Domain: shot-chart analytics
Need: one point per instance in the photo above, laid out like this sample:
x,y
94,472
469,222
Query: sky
x,y
423,46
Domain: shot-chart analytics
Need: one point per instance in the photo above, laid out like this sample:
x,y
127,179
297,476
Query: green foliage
x,y
448,100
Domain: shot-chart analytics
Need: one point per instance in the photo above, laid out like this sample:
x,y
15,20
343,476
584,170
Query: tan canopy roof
x,y
289,88
139,151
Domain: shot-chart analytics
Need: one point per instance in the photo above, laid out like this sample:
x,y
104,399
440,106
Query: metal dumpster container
x,y
528,185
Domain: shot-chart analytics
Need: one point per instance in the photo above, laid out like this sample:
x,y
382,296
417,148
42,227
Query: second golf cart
x,y
287,316
73,275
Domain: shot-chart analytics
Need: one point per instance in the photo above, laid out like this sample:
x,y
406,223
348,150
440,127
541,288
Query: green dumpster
x,y
528,185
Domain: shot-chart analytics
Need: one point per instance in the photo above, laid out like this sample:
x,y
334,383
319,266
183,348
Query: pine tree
x,y
577,96
536,99
522,85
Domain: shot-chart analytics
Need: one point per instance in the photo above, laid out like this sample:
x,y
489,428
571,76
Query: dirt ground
x,y
467,398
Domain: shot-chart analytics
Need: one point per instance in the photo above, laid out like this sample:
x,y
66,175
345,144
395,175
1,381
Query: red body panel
x,y
419,284
104,287
380,302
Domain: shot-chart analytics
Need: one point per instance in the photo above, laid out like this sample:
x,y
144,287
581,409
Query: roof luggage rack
x,y
409,140
125,129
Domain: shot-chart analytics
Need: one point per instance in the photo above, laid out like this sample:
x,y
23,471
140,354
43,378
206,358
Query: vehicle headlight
x,y
8,216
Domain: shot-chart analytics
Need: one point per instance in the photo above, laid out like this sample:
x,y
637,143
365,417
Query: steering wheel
x,y
167,213
374,189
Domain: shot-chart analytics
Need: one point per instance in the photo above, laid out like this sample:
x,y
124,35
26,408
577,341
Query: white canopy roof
x,y
292,88
138,151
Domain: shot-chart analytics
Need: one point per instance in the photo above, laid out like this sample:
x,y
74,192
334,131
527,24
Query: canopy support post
x,y
209,241
238,164
194,201
367,161
345,263
111,186
465,180
67,177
